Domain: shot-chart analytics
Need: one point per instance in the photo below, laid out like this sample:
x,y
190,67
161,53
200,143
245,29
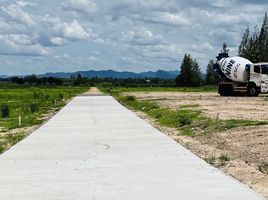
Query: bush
x,y
61,96
130,98
5,111
34,107
184,120
224,159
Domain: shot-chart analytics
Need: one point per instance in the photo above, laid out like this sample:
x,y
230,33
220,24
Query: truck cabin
x,y
258,68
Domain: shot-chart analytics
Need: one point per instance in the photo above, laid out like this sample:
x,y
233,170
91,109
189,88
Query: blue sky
x,y
126,35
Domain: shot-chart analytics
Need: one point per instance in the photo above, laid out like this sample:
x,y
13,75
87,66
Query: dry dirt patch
x,y
211,104
93,90
246,147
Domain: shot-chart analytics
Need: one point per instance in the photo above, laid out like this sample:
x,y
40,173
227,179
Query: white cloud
x,y
22,45
167,18
15,13
203,47
71,31
140,33
57,41
142,36
84,6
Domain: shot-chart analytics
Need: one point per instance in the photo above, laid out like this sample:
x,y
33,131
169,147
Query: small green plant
x,y
184,120
61,96
2,148
263,167
130,98
5,111
34,107
223,159
211,160
12,139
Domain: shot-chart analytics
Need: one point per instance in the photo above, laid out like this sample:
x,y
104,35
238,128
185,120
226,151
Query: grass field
x,y
33,104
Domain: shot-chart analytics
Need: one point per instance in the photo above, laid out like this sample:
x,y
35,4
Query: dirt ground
x,y
247,147
93,90
213,105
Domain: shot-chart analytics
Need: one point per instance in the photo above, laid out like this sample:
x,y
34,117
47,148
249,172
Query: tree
x,y
263,40
254,46
211,76
190,72
243,47
79,76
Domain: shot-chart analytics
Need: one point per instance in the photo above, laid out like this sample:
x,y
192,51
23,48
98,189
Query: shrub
x,y
184,120
34,107
211,160
224,159
61,96
130,98
5,111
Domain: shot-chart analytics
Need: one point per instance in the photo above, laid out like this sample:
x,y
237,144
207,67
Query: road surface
x,y
95,149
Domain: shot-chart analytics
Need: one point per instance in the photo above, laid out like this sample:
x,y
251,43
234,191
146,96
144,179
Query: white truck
x,y
239,76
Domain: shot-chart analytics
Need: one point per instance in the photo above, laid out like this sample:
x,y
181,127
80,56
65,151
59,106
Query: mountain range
x,y
114,74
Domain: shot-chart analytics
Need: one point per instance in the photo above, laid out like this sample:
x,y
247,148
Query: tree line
x,y
35,81
78,80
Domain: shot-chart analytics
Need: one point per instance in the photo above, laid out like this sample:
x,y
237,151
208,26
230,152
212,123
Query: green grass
x,y
31,103
188,121
9,140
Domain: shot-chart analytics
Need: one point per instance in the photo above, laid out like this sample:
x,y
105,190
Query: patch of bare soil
x,y
93,90
211,104
239,152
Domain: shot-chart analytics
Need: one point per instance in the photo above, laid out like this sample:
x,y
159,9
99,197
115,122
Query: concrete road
x,y
95,149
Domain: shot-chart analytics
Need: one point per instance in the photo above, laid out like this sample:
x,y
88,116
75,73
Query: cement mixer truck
x,y
239,76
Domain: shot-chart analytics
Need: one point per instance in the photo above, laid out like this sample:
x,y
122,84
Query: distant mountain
x,y
3,76
114,74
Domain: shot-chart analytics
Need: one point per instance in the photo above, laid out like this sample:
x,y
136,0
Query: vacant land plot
x,y
211,104
228,132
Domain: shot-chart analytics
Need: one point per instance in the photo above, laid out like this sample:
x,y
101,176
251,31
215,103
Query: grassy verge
x,y
33,105
187,120
9,140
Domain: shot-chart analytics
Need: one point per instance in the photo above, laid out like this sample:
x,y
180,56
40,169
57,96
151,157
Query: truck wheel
x,y
252,91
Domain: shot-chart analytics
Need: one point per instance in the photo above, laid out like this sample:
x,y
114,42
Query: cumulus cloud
x,y
151,33
21,35
22,45
14,12
166,18
84,6
142,36
70,31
